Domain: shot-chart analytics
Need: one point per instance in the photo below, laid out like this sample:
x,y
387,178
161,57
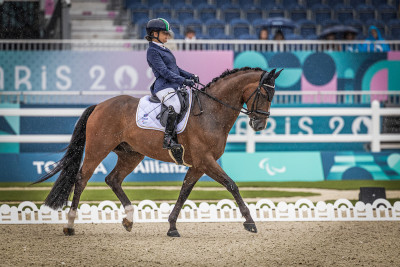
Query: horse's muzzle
x,y
258,124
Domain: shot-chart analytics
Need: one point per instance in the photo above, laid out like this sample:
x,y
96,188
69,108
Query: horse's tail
x,y
69,165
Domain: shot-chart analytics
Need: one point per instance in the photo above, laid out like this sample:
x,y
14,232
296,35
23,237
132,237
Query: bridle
x,y
269,90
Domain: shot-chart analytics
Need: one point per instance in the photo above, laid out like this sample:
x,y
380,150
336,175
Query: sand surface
x,y
204,244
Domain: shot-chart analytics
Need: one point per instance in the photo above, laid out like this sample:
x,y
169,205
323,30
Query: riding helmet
x,y
157,25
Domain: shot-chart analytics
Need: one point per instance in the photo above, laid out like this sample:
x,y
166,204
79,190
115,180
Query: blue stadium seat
x,y
293,36
202,36
311,37
162,11
321,13
248,37
311,3
224,37
365,12
176,27
394,29
184,12
139,12
329,23
253,13
195,24
357,24
239,27
377,3
356,3
333,3
387,13
177,3
289,3
344,13
276,11
245,3
297,12
215,27
220,3
377,23
152,3
307,27
230,12
267,4
130,4
206,12
141,25
197,3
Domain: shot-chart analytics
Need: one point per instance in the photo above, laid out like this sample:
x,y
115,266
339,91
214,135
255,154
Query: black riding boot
x,y
176,150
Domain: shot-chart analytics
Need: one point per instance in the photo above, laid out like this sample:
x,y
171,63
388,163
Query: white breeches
x,y
169,97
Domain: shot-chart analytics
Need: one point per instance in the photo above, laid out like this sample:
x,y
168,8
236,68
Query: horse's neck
x,y
229,90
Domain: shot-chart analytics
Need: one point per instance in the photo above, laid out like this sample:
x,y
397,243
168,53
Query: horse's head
x,y
259,102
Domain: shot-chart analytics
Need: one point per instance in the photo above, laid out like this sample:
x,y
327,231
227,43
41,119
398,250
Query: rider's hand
x,y
195,78
188,82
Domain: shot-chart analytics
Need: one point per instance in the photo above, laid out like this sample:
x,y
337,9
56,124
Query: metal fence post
x,y
376,126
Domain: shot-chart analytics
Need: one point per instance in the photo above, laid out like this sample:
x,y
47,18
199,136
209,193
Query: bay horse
x,y
111,126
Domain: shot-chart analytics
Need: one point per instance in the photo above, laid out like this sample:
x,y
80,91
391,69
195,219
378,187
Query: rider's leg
x,y
169,97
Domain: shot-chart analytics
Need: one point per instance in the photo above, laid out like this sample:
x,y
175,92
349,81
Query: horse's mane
x,y
229,72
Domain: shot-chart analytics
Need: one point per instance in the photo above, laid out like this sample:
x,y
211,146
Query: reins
x,y
243,110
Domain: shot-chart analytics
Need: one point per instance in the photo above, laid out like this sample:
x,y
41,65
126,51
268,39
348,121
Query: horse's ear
x,y
277,74
271,74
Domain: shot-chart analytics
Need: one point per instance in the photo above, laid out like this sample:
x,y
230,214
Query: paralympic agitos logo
x,y
264,164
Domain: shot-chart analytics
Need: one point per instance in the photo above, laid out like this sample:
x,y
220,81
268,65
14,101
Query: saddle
x,y
183,99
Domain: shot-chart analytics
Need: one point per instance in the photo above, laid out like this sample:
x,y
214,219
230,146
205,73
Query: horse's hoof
x,y
69,231
251,227
173,233
127,224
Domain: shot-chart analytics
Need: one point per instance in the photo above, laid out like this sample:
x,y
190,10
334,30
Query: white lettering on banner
x,y
44,78
25,80
304,127
101,168
1,78
126,77
155,166
272,171
356,126
67,80
340,126
38,165
48,166
101,74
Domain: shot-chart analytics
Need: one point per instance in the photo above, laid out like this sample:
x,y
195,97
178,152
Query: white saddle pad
x,y
147,112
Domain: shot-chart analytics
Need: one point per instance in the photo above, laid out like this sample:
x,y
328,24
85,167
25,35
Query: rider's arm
x,y
158,64
185,74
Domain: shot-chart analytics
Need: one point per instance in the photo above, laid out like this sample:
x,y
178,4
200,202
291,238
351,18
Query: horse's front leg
x,y
218,174
191,178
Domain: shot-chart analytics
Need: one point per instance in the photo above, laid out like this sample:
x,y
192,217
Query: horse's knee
x,y
231,186
172,218
110,181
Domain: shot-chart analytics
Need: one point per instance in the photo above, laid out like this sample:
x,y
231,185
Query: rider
x,y
169,77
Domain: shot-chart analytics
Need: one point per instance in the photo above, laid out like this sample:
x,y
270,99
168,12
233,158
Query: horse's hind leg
x,y
191,178
217,173
127,161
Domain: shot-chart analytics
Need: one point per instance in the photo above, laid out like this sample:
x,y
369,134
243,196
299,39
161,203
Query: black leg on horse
x,y
191,178
79,187
218,174
127,162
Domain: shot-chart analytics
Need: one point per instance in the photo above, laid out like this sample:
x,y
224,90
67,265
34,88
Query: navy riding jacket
x,y
163,64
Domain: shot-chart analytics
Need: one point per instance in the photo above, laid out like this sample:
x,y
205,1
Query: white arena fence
x,y
234,45
280,97
224,211
247,136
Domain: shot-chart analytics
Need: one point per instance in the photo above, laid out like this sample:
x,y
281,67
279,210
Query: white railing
x,y
280,97
374,136
224,211
235,45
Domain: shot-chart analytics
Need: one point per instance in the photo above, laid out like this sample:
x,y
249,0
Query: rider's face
x,y
162,35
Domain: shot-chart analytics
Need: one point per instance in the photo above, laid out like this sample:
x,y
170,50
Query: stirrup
x,y
177,153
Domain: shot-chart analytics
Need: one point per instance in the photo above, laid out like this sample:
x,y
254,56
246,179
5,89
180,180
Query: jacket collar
x,y
151,44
